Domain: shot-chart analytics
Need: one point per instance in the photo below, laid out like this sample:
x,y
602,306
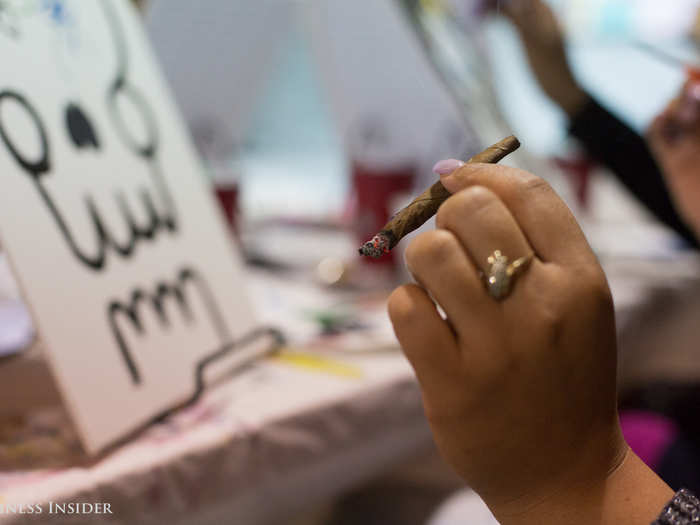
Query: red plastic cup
x,y
227,194
376,190
579,170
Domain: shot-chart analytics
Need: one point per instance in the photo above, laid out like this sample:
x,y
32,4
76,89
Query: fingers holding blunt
x,y
544,219
484,225
440,264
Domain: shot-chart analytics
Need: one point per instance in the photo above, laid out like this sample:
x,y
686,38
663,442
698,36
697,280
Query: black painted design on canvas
x,y
172,301
82,134
81,130
164,294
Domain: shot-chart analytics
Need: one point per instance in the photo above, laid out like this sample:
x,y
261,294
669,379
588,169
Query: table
x,y
288,432
274,440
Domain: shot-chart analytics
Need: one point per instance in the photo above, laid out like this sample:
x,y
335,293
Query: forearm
x,y
555,78
618,147
631,495
544,45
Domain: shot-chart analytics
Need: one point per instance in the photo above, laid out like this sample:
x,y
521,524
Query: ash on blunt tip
x,y
377,246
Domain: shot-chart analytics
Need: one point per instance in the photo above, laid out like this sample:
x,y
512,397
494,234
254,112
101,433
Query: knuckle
x,y
572,298
467,202
552,319
550,316
400,306
430,247
589,281
529,184
526,185
583,292
549,309
598,289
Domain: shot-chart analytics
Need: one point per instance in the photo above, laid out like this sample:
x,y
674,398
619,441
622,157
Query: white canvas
x,y
106,216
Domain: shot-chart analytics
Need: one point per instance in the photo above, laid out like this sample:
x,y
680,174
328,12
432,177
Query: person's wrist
x,y
554,75
570,496
572,501
571,99
629,494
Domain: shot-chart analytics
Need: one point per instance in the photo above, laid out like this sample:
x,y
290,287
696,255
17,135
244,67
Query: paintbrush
x,y
661,55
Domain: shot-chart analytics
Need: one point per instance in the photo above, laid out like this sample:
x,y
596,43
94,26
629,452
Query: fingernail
x,y
445,167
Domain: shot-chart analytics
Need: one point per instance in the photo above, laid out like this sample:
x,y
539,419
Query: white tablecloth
x,y
286,433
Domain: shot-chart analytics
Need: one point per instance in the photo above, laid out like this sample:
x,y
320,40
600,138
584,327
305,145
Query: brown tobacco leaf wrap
x,y
426,205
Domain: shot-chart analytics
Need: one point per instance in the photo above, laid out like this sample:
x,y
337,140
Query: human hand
x,y
674,137
520,393
544,44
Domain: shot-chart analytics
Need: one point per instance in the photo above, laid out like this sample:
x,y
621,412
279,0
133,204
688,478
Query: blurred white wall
x,y
375,70
241,65
218,56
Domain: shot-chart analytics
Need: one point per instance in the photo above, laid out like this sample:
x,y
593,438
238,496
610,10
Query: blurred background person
x,y
604,136
675,140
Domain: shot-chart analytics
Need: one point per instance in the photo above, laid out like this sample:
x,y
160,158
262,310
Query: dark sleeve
x,y
616,146
683,509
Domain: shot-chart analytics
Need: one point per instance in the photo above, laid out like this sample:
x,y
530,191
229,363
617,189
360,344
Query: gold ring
x,y
501,274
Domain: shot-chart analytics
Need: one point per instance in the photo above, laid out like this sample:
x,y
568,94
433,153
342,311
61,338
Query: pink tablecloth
x,y
282,436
